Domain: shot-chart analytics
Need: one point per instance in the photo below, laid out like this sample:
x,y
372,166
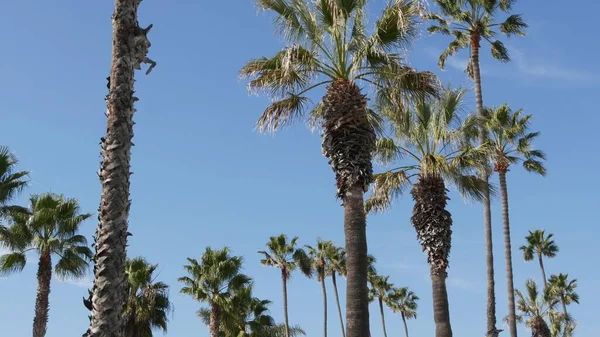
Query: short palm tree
x,y
404,301
148,306
328,45
534,307
562,289
318,256
539,245
430,138
470,22
508,141
380,290
337,266
49,227
12,182
214,280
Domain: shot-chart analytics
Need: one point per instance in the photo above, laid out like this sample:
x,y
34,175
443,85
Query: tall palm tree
x,y
430,138
148,306
404,301
337,266
129,49
320,265
287,257
470,22
508,141
381,289
533,307
214,279
539,245
328,45
49,227
563,290
12,182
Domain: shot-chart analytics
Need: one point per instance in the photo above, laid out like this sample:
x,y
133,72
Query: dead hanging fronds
x,y
141,47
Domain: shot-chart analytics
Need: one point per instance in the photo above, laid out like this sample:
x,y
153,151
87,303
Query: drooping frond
x,y
514,24
281,113
461,40
387,186
499,51
11,263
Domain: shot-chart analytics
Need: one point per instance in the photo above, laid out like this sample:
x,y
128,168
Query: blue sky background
x,y
204,177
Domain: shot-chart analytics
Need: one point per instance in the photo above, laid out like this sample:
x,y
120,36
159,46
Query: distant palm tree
x,y
563,290
430,139
539,245
533,307
328,45
148,306
381,289
404,301
337,266
470,22
320,265
287,257
49,227
280,330
214,280
12,182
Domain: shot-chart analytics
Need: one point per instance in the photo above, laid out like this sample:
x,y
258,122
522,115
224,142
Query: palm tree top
x,y
319,256
285,255
561,287
11,181
337,261
539,244
329,42
403,300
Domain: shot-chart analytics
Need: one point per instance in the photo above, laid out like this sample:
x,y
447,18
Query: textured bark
x,y
433,225
324,290
285,302
543,270
405,325
337,301
382,316
129,49
215,315
42,305
539,328
512,323
487,213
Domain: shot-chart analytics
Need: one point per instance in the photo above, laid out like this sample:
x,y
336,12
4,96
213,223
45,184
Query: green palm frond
x,y
514,24
499,51
12,182
461,40
12,263
387,187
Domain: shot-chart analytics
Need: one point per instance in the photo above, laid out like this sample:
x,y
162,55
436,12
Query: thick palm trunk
x,y
543,270
382,317
285,303
324,305
487,212
129,49
539,328
433,225
348,140
42,306
337,301
214,323
405,325
512,323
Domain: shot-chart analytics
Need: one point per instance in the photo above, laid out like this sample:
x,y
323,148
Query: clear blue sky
x,y
204,177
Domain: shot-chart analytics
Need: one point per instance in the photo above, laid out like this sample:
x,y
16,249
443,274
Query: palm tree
x,y
508,141
147,307
404,301
214,280
380,289
129,49
563,290
329,45
470,21
318,256
287,257
11,181
49,227
533,307
336,262
539,245
430,137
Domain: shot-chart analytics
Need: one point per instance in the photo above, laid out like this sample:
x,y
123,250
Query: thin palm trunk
x,y
214,323
487,212
111,235
508,256
42,306
337,301
324,304
543,270
405,325
382,317
357,300
441,310
285,302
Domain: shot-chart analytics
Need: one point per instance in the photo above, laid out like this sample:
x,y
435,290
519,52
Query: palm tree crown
x,y
538,244
534,307
404,301
563,289
285,256
11,181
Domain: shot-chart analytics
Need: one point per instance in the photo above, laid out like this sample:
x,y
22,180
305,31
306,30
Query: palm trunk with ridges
x,y
337,301
42,305
512,323
433,225
214,323
382,317
324,290
348,141
541,262
405,325
486,202
285,302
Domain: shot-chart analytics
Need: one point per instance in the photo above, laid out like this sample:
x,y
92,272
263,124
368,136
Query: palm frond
x,y
514,24
12,263
282,113
499,51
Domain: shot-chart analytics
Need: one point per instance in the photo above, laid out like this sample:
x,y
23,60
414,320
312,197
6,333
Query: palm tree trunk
x,y
214,323
285,302
405,325
441,310
42,306
357,300
543,270
337,301
487,212
508,256
382,316
324,305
